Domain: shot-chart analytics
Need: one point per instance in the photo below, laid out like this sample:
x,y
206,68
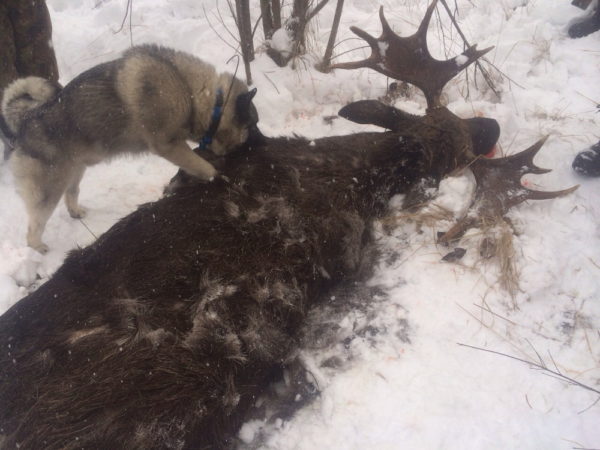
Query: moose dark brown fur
x,y
164,332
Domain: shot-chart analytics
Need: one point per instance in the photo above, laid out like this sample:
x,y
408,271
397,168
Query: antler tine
x,y
499,188
408,58
548,195
424,26
386,29
524,159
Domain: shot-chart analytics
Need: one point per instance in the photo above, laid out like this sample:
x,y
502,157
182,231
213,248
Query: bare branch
x,y
267,18
478,65
128,13
324,66
236,50
537,366
223,22
316,10
245,32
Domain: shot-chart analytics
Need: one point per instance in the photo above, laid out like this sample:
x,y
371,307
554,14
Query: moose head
x,y
408,59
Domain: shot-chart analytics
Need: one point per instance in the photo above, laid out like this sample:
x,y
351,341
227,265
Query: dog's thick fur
x,y
153,98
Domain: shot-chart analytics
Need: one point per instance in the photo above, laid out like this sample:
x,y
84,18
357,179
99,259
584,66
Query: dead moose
x,y
163,332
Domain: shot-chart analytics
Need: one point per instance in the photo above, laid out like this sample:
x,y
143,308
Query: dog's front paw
x,y
211,174
77,212
181,179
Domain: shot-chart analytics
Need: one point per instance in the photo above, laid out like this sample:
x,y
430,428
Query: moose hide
x,y
163,332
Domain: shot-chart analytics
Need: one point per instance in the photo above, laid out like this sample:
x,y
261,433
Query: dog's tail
x,y
20,97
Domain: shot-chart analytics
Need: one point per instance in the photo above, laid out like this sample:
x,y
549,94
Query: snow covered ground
x,y
410,385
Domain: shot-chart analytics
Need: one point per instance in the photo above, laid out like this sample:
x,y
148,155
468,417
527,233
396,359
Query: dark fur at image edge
x,y
163,333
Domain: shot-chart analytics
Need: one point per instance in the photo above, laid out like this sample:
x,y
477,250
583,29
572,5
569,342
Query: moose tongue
x,y
492,152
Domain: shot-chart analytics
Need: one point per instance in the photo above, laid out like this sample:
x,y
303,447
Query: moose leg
x,y
180,154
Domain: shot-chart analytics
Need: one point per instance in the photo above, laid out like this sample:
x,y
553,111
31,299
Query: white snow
x,y
281,41
424,392
461,60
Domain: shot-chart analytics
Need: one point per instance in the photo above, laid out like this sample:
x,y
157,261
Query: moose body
x,y
162,333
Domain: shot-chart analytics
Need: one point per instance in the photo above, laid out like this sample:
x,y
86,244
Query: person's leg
x,y
586,26
33,39
587,162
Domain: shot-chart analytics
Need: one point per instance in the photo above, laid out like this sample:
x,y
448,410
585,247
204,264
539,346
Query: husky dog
x,y
152,99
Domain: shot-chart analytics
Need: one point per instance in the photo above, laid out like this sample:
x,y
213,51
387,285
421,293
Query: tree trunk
x,y
324,66
267,18
276,10
296,27
245,30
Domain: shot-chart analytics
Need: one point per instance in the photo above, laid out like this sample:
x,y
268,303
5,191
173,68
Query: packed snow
x,y
408,384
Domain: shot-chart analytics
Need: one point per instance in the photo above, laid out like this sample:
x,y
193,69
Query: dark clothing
x,y
587,162
586,26
26,41
25,47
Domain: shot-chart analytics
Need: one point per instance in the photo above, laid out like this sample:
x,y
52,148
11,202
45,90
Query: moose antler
x,y
499,188
408,58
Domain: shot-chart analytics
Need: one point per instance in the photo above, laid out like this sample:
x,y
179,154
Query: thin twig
x,y
124,17
88,228
537,366
316,10
217,33
271,81
130,22
542,363
589,407
487,309
348,51
233,14
128,13
223,22
554,362
503,74
484,72
347,39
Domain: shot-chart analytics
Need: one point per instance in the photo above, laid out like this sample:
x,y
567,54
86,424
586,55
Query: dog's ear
x,y
245,99
245,110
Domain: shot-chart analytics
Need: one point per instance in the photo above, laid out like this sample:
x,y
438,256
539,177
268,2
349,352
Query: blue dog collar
x,y
215,119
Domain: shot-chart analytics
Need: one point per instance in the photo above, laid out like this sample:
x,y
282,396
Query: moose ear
x,y
377,113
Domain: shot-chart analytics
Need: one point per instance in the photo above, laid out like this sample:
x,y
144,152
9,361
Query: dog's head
x,y
238,125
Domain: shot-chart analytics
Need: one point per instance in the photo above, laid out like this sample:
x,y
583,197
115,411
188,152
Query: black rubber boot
x,y
587,162
586,26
